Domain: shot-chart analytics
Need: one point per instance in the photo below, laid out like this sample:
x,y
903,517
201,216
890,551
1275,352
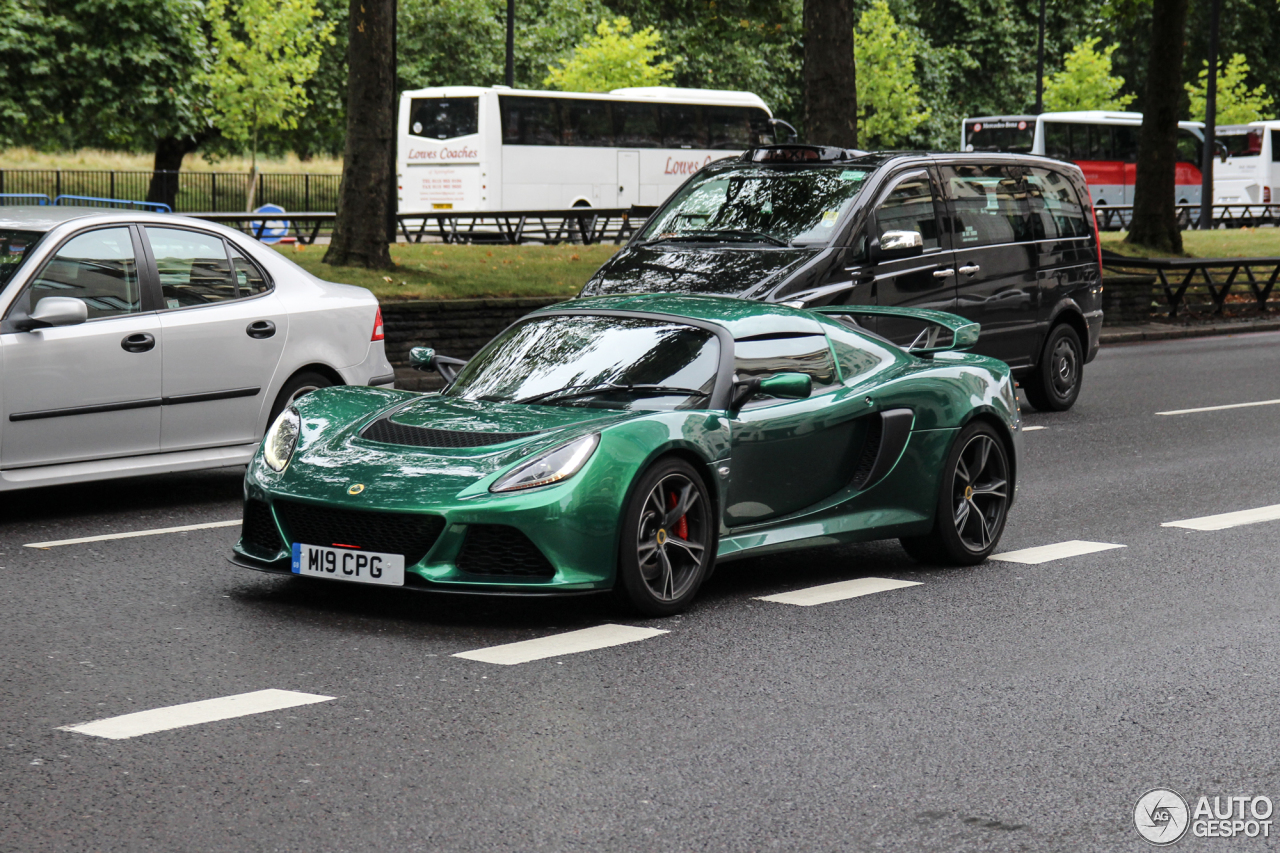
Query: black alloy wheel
x,y
668,540
1055,383
973,504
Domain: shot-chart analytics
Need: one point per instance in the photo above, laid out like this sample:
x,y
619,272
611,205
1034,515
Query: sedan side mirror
x,y
425,358
55,311
795,386
899,244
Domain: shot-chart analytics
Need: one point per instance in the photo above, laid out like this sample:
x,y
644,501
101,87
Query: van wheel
x,y
1054,385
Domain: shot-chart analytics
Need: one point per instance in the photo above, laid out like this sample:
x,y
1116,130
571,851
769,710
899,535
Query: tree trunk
x,y
168,163
830,90
360,234
1155,219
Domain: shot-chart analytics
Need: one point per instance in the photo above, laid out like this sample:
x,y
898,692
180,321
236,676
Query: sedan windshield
x,y
606,362
14,248
776,206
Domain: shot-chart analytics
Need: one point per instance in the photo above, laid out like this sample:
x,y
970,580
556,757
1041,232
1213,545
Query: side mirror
x,y
55,311
1223,152
425,358
795,386
899,244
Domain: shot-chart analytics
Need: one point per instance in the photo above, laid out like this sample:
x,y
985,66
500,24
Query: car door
x,y
87,391
790,454
225,330
995,257
925,280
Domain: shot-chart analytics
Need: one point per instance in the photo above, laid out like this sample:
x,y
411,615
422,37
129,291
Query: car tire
x,y
1055,383
973,501
298,385
662,560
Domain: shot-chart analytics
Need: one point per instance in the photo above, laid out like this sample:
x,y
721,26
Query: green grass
x,y
1218,243
438,271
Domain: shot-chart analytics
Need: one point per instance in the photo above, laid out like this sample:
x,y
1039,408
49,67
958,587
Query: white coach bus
x,y
1249,167
493,148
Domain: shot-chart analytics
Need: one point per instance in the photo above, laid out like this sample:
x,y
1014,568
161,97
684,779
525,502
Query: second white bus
x,y
474,148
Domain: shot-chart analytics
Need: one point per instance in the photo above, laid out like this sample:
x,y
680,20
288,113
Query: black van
x,y
1007,240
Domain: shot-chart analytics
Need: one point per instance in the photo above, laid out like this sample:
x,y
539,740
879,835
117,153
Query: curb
x,y
1161,332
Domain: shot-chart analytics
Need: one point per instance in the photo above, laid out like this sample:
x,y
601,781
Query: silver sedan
x,y
136,343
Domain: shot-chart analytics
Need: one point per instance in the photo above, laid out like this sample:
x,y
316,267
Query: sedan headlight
x,y
555,465
281,439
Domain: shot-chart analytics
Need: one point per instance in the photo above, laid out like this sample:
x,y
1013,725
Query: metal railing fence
x,y
193,191
1115,217
1202,285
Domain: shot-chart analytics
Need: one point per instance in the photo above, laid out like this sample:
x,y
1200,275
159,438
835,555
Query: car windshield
x,y
777,206
605,362
14,248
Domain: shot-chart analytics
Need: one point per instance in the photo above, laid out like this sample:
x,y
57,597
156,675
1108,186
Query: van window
x,y
909,207
1055,211
992,205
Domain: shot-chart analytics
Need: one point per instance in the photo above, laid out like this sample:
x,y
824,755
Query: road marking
x,y
1045,553
194,713
1220,408
568,643
1228,519
55,543
838,591
1033,429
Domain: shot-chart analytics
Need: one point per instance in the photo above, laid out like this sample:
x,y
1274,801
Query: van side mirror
x,y
54,311
795,386
897,244
425,358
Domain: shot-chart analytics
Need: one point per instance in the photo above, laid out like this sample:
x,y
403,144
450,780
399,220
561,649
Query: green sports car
x,y
630,443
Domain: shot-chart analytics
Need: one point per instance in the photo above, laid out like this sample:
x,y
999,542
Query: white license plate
x,y
348,564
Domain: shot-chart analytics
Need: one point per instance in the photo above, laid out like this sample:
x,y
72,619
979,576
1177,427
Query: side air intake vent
x,y
258,532
870,449
887,436
387,431
410,534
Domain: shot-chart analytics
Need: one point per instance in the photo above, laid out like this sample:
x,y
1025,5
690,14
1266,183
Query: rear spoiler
x,y
943,332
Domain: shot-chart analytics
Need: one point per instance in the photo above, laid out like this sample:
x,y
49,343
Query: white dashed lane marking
x,y
1220,408
1228,519
838,591
1033,428
568,643
131,534
194,713
1057,551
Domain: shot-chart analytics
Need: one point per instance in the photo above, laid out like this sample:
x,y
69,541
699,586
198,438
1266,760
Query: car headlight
x,y
281,439
555,465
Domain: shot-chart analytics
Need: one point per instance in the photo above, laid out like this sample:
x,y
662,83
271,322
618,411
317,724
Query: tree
x,y
263,53
1085,81
889,105
360,235
613,58
1236,103
830,78
1155,219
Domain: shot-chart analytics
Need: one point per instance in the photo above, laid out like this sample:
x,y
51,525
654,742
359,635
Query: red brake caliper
x,y
681,527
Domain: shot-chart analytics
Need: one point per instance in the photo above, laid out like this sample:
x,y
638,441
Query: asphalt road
x,y
1003,707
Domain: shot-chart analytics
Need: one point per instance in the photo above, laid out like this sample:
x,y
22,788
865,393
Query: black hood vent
x,y
386,431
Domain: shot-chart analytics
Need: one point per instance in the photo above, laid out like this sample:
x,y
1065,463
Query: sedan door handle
x,y
970,269
260,329
141,342
943,273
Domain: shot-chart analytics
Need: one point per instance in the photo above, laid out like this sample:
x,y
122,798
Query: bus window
x,y
737,127
529,121
444,118
682,126
586,122
1057,140
1189,147
1247,144
1055,210
636,126
1125,143
1275,146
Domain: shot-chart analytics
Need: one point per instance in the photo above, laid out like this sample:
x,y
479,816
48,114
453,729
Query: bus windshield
x,y
1241,144
1009,135
774,206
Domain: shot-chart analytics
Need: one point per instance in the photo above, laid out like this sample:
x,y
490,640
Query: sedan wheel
x,y
668,540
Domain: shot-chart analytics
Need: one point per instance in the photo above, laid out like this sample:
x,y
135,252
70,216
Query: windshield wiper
x,y
739,234
570,394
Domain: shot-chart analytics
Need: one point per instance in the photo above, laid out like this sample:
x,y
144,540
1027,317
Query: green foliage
x,y
613,58
1085,81
889,104
263,53
1236,102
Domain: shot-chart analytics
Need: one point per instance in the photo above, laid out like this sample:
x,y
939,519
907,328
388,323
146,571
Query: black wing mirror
x,y
425,358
